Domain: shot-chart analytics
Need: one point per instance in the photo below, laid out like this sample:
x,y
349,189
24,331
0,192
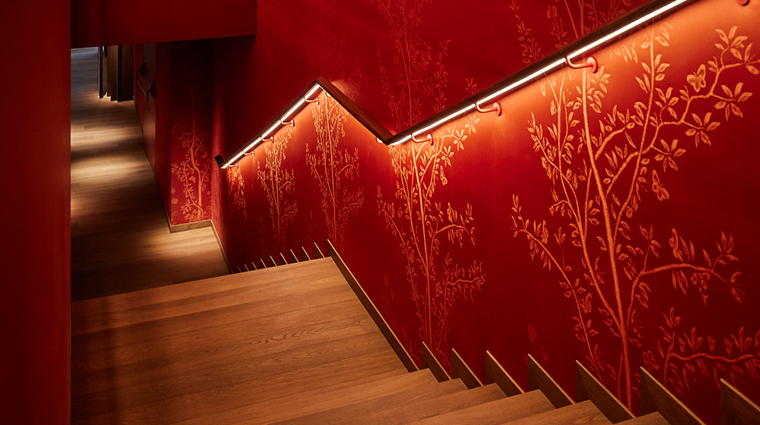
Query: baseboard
x,y
221,247
655,397
184,227
587,387
460,369
736,408
539,379
495,374
429,361
386,330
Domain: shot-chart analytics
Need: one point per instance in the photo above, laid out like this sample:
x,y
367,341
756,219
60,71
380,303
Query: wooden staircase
x,y
293,344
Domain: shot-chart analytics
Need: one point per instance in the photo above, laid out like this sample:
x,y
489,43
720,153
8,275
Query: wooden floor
x,y
120,240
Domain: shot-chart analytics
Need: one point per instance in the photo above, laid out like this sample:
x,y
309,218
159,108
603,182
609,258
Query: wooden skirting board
x,y
460,369
495,374
539,379
655,397
406,359
318,252
429,361
736,408
587,387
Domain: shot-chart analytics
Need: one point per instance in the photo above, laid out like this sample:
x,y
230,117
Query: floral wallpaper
x,y
608,217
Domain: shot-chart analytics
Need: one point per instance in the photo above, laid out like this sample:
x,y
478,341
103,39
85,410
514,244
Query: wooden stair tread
x,y
87,319
328,377
584,413
115,303
294,405
264,328
156,383
495,412
357,412
160,329
285,351
420,410
654,418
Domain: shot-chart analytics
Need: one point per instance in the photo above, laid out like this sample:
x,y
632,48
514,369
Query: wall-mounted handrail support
x,y
590,63
495,107
428,138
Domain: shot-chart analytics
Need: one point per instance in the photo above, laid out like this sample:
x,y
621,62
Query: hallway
x,y
120,239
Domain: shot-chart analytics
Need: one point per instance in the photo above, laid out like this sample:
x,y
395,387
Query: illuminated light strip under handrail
x,y
288,115
474,103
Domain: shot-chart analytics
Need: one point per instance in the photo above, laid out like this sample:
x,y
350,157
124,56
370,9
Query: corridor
x,y
120,239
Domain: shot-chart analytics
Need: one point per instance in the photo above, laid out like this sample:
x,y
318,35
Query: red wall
x,y
35,305
177,125
108,23
481,252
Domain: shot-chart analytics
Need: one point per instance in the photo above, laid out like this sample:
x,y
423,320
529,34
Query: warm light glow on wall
x,y
420,132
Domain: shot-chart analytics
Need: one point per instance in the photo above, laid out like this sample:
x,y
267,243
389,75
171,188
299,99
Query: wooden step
x,y
141,333
163,381
495,412
290,348
290,407
229,398
583,413
420,410
264,329
654,418
357,412
125,309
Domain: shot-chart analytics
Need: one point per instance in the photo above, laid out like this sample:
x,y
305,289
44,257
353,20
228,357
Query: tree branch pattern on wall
x,y
418,70
279,186
429,233
237,189
332,168
195,171
601,166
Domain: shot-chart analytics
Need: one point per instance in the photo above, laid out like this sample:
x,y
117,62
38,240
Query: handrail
x,y
561,58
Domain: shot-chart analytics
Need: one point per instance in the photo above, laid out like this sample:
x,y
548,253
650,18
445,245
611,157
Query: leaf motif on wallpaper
x,y
334,169
279,185
602,161
194,172
688,355
531,52
327,48
237,189
566,21
430,233
417,73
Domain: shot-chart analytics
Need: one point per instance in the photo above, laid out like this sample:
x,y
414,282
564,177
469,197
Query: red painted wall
x,y
191,131
35,307
108,23
177,125
503,243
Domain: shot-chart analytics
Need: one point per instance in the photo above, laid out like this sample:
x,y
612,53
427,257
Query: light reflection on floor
x,y
120,240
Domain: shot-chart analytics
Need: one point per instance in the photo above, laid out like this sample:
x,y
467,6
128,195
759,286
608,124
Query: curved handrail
x,y
563,57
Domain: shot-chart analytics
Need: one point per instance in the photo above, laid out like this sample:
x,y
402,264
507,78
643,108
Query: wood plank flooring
x,y
120,240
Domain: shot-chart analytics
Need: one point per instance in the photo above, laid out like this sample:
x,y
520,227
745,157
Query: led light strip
x,y
413,133
287,116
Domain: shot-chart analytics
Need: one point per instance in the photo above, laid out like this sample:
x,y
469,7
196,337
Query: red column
x,y
35,303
